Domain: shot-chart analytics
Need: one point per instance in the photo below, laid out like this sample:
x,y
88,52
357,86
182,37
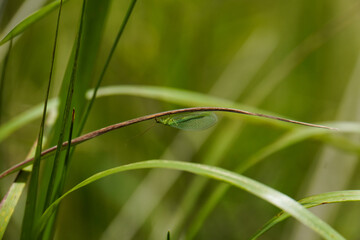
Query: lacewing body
x,y
189,121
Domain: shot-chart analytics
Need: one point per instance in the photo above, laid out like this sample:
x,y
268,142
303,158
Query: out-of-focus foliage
x,y
296,58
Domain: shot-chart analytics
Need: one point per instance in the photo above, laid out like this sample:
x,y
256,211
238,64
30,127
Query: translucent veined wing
x,y
189,121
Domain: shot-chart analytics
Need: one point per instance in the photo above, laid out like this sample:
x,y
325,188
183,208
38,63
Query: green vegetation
x,y
90,64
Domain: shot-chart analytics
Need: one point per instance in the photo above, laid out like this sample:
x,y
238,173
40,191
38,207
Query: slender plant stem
x,y
54,183
31,201
67,157
98,83
104,130
2,79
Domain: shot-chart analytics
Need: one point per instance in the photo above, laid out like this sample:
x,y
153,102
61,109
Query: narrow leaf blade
x,y
309,202
30,20
262,191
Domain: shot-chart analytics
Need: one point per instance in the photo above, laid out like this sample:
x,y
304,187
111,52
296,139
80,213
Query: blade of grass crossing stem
x,y
95,17
49,233
92,39
93,27
84,118
94,22
55,180
67,156
309,202
2,80
31,201
107,62
258,189
30,20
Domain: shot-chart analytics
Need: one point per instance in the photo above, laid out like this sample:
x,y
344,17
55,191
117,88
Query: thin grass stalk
x,y
54,183
67,157
260,190
31,202
106,65
56,174
2,80
110,128
50,230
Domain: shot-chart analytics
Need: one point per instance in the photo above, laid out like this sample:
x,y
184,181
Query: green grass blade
x,y
94,24
31,200
93,28
57,171
106,65
313,201
30,20
10,200
93,31
258,189
2,79
96,14
49,234
67,156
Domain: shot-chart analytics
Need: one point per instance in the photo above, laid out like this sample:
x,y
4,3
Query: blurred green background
x,y
298,59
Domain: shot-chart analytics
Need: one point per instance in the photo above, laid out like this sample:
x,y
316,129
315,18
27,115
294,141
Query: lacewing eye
x,y
190,121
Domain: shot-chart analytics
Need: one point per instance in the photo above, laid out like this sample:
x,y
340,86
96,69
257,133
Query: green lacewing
x,y
189,121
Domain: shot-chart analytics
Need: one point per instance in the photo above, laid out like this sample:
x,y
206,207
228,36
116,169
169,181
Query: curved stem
x,y
104,130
